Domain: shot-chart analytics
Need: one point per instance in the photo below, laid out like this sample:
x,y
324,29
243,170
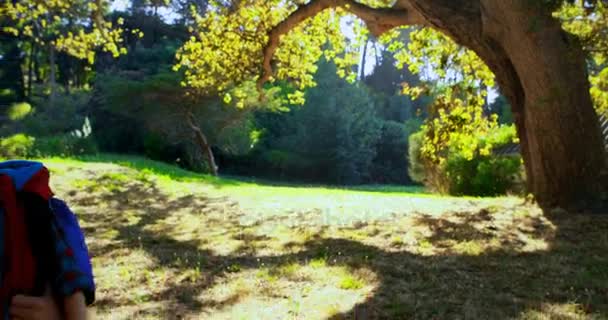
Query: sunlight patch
x,y
128,275
572,311
286,291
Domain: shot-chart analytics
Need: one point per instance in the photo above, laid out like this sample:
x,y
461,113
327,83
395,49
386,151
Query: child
x,y
45,270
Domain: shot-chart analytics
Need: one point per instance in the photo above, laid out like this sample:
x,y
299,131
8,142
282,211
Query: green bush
x,y
16,146
18,111
7,95
65,146
65,115
416,168
286,163
163,148
277,159
463,171
483,175
154,146
390,164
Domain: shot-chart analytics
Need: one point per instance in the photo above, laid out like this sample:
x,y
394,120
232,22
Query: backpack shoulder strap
x,y
77,272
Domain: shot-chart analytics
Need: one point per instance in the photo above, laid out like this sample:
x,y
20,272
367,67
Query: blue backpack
x,y
56,238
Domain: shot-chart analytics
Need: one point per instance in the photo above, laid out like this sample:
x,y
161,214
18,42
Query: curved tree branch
x,y
378,21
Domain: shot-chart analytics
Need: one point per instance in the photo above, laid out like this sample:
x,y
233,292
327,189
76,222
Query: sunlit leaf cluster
x,y
456,123
433,55
458,132
246,96
76,27
599,90
457,80
226,47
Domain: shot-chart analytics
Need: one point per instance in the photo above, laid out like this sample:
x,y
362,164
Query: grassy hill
x,y
171,244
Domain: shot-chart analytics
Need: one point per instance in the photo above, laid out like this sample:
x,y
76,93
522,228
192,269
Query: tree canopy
x,y
76,27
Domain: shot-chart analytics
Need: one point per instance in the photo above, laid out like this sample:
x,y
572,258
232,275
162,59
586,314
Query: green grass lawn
x,y
171,244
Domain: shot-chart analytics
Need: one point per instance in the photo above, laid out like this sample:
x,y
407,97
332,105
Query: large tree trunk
x,y
566,154
543,74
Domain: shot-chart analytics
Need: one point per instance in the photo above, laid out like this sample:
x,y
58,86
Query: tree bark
x,y
30,70
202,142
363,61
563,134
37,73
52,76
540,69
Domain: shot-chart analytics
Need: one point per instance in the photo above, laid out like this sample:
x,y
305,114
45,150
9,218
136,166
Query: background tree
x,y
332,138
188,10
76,27
11,75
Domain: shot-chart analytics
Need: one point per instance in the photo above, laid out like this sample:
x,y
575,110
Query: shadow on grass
x,y
505,281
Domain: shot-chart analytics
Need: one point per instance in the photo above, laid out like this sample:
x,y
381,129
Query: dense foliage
x,y
330,138
323,117
76,27
455,148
